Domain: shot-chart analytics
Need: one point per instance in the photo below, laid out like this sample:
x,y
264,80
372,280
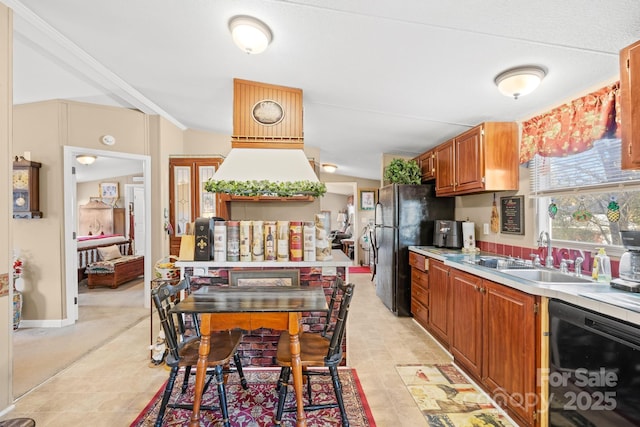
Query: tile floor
x,y
111,385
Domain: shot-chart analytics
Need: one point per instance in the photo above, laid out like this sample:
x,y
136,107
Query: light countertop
x,y
571,293
340,259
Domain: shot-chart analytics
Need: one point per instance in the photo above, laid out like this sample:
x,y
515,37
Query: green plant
x,y
267,188
402,171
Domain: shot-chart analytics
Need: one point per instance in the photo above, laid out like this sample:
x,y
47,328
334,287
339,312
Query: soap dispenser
x,y
602,267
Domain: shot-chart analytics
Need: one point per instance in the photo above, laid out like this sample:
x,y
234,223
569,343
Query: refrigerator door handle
x,y
377,218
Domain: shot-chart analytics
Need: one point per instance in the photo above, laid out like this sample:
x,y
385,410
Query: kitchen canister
x,y
220,241
469,236
233,241
269,240
282,231
295,241
245,241
309,244
257,241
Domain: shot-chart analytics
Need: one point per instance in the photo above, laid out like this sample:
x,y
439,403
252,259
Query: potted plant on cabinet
x,y
401,171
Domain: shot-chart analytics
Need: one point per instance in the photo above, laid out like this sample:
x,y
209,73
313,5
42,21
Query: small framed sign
x,y
512,215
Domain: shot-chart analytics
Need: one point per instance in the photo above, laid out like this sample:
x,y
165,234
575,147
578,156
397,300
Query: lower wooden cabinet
x,y
440,299
510,353
467,328
419,288
491,331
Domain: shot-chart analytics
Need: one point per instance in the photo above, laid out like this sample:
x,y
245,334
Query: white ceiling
x,y
377,76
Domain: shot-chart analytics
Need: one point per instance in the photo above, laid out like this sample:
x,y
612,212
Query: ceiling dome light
x,y
519,81
250,34
329,167
85,159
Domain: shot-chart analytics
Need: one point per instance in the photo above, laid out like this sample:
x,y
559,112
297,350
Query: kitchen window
x,y
585,199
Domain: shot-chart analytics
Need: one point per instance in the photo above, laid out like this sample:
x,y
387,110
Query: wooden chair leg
x,y
238,363
282,395
167,393
223,396
337,387
185,381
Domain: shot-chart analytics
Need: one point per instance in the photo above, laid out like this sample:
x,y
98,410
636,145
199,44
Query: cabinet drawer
x,y
420,293
419,278
420,312
418,261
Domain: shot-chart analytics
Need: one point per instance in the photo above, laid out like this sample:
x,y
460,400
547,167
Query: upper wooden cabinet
x,y
630,105
427,164
485,158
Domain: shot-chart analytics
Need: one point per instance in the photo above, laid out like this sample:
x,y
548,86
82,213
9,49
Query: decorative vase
x,y
17,308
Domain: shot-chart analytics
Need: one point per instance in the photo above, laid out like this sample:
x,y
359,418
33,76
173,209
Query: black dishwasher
x,y
594,369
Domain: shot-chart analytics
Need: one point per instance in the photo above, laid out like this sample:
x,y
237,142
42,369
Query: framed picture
x,y
280,277
512,215
109,190
367,199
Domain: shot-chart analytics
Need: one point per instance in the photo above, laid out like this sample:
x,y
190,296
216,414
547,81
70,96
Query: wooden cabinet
x,y
119,221
492,332
466,332
188,199
427,163
485,158
419,288
510,352
440,312
630,106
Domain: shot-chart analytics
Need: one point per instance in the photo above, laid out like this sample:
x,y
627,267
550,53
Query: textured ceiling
x,y
377,76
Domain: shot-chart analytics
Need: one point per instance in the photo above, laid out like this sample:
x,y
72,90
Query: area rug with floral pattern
x,y
256,406
448,399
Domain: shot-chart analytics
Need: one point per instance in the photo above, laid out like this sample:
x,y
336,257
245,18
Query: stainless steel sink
x,y
544,276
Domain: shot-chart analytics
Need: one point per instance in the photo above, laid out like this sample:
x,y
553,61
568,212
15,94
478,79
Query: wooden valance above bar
x,y
266,116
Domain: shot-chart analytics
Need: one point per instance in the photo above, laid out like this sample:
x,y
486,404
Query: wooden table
x,y
276,307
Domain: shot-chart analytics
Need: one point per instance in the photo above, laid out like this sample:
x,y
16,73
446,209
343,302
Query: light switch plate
x,y
486,229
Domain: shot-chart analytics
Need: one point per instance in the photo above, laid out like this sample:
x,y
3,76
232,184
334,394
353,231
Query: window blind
x,y
593,170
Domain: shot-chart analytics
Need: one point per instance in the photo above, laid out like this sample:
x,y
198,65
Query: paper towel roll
x,y
469,235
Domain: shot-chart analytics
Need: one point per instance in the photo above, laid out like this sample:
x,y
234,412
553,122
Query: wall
x,y
6,84
41,241
89,189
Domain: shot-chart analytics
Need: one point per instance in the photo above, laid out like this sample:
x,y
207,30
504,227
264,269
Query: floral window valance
x,y
573,127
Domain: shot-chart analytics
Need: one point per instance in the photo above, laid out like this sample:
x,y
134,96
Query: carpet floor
x,y
256,406
446,398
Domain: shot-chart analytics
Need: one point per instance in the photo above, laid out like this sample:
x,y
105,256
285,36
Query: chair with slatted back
x,y
182,345
317,350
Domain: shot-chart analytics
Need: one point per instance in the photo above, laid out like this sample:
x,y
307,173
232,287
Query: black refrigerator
x,y
404,217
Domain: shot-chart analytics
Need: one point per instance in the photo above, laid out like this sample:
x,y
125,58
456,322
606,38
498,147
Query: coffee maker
x,y
629,262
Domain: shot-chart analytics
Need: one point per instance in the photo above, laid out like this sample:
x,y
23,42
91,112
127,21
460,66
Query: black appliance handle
x,y
613,331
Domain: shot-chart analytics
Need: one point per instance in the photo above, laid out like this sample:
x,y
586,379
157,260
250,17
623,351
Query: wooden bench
x,y
89,254
124,269
114,272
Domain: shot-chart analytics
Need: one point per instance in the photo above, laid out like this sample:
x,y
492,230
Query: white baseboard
x,y
56,323
6,410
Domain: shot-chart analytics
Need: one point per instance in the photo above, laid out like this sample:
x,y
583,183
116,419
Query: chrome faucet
x,y
578,266
545,239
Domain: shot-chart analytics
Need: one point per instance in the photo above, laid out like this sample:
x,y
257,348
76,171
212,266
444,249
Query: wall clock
x,y
26,189
267,112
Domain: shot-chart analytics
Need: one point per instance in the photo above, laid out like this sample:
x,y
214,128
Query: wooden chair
x,y
182,346
317,350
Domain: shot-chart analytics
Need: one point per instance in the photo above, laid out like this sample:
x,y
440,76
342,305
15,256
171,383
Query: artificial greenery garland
x,y
267,188
402,171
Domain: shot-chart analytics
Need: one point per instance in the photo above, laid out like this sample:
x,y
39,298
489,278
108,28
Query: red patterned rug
x,y
255,407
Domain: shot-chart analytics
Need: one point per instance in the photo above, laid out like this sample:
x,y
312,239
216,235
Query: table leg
x,y
296,367
201,368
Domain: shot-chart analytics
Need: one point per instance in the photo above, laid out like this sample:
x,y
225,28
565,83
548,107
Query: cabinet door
x,y
445,183
440,313
188,199
428,166
509,349
469,161
466,333
630,106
